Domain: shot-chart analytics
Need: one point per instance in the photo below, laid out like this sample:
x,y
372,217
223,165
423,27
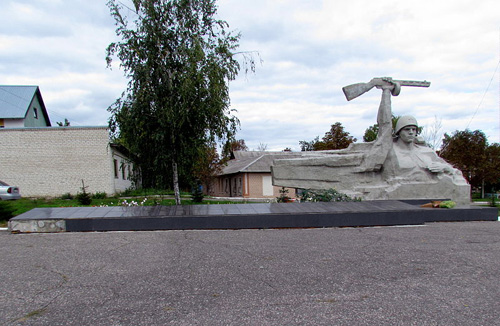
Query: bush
x,y
197,194
67,196
100,195
330,195
6,211
493,201
283,197
84,198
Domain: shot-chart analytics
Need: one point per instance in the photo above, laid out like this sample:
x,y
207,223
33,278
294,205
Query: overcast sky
x,y
309,51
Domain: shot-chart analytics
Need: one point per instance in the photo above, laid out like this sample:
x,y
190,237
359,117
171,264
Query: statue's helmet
x,y
406,120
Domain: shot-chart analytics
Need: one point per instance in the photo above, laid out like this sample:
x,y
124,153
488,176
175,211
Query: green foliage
x,y
491,170
335,138
6,210
447,204
100,195
208,166
26,204
371,133
178,58
308,146
466,150
470,152
133,192
283,197
66,123
493,200
329,195
197,193
84,198
67,196
231,146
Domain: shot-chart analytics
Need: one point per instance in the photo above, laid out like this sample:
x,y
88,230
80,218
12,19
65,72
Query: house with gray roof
x,y
248,175
46,161
22,106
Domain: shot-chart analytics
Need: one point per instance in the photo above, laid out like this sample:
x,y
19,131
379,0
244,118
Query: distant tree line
x,y
470,152
467,150
335,138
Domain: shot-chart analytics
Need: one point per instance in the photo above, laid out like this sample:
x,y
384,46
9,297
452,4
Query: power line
x,y
484,94
58,115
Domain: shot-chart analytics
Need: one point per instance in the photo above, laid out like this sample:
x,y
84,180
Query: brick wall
x,y
53,161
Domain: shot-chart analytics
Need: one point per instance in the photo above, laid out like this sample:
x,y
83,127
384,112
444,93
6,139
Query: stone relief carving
x,y
391,167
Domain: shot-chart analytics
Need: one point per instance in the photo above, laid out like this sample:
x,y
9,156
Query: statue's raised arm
x,y
355,90
375,158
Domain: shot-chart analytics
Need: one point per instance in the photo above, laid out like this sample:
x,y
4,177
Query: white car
x,y
9,192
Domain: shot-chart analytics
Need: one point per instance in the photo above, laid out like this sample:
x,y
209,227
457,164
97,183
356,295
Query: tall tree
x,y
492,172
178,58
372,131
231,146
335,138
307,146
466,150
208,166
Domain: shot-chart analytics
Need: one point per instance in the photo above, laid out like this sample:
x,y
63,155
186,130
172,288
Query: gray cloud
x,y
310,51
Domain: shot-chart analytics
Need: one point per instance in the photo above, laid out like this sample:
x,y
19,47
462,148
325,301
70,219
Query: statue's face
x,y
408,134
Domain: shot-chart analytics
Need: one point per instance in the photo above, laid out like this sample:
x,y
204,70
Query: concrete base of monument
x,y
242,216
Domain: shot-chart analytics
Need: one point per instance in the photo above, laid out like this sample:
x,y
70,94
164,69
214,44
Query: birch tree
x,y
179,59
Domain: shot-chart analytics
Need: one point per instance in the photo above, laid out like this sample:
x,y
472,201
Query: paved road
x,y
437,274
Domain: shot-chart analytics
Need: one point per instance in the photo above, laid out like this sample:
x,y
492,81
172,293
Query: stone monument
x,y
397,165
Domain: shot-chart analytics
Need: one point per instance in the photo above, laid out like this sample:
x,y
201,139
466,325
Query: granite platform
x,y
242,216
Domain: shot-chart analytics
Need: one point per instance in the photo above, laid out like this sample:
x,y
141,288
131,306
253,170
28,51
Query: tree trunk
x,y
176,183
482,189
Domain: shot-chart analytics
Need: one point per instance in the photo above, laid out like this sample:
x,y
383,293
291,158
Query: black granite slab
x,y
261,215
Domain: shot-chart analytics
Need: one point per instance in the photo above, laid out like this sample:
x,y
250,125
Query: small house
x,y
248,175
22,106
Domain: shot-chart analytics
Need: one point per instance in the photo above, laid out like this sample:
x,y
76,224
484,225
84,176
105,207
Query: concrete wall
x,y
53,161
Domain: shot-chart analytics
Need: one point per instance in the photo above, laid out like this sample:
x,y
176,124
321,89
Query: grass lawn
x,y
26,204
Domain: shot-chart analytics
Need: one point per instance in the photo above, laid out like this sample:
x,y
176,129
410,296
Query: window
x,y
35,113
1,123
123,171
115,163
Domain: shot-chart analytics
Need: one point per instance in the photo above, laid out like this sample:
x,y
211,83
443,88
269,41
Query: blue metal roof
x,y
15,100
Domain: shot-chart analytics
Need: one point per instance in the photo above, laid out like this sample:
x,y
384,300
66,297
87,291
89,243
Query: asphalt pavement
x,y
434,274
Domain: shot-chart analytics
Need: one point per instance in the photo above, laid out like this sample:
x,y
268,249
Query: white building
x,y
45,161
49,162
